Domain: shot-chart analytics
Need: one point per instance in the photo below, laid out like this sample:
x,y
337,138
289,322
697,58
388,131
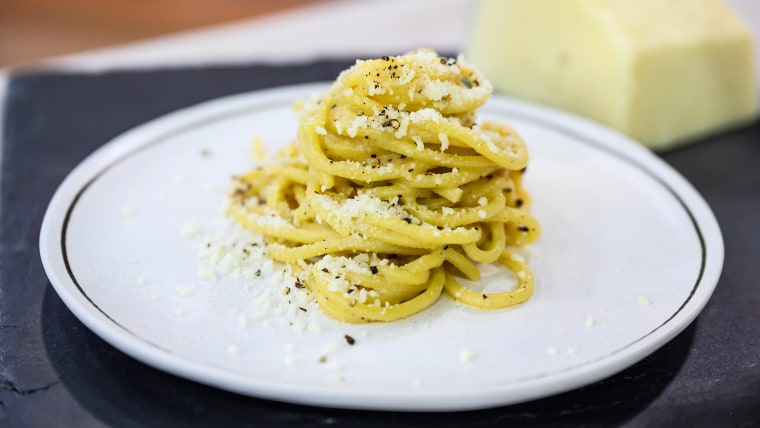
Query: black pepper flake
x,y
350,340
373,269
299,284
519,202
393,123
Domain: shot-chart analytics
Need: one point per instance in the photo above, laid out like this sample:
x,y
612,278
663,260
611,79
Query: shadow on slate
x,y
54,370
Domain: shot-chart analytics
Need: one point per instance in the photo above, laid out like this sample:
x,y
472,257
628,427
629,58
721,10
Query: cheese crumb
x,y
418,141
190,229
589,322
207,274
184,291
466,356
444,139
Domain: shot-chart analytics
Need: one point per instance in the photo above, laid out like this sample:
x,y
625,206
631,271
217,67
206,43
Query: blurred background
x,y
36,29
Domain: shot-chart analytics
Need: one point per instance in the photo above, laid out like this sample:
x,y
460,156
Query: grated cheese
x,y
642,301
589,322
184,291
466,356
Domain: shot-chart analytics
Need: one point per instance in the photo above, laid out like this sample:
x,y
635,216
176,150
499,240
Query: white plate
x,y
620,227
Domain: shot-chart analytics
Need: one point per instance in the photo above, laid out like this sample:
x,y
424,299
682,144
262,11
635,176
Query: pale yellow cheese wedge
x,y
662,71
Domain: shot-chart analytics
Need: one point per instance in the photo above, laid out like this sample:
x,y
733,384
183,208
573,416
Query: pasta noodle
x,y
391,192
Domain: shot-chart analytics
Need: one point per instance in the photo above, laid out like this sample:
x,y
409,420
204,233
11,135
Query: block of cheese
x,y
662,71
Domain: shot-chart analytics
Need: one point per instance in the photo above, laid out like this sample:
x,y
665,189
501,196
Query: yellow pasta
x,y
391,191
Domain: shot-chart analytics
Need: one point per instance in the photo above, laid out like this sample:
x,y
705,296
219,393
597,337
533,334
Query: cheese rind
x,y
663,72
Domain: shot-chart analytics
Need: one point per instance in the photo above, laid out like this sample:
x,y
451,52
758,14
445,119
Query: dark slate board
x,y
55,372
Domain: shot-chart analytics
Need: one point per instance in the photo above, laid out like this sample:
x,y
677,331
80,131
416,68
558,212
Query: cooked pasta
x,y
391,192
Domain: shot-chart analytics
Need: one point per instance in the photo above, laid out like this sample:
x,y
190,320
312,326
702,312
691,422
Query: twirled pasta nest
x,y
391,191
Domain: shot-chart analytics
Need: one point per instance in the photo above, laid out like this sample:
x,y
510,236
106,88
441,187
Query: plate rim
x,y
52,253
